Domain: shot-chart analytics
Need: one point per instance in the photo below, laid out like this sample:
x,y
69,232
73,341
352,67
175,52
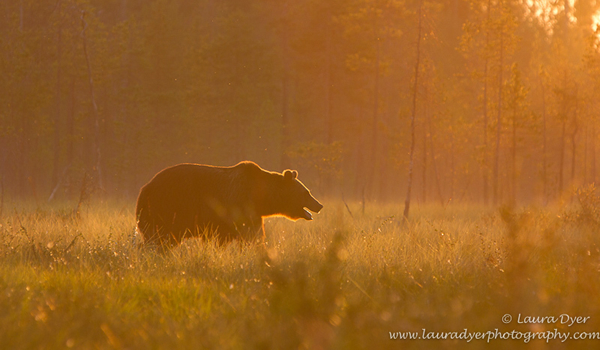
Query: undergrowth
x,y
339,282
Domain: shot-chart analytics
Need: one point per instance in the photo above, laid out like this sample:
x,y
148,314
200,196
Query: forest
x,y
483,113
484,101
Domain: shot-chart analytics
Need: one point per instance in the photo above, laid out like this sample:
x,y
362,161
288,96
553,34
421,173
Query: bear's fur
x,y
189,200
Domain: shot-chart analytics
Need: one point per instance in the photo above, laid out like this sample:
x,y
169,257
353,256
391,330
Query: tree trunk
x,y
561,162
71,126
593,155
499,119
574,153
513,195
98,154
585,157
23,168
544,147
412,118
329,85
434,163
574,142
21,16
285,120
285,82
484,167
375,119
56,141
425,149
563,136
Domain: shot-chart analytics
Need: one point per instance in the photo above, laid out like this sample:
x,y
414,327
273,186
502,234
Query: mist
x,y
503,94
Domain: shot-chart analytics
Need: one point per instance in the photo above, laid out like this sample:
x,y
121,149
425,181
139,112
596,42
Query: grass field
x,y
338,282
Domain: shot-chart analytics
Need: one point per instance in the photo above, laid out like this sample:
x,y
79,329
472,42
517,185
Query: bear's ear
x,y
290,174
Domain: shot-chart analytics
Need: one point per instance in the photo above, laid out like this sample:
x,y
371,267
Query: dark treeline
x,y
505,104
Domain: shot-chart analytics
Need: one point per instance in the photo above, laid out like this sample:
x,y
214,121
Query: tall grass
x,y
338,282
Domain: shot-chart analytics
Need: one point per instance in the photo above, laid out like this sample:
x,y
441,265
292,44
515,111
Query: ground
x,y
338,282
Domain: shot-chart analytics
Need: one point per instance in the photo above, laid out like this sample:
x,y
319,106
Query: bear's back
x,y
227,183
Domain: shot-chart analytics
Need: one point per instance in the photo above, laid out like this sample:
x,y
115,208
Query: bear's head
x,y
293,198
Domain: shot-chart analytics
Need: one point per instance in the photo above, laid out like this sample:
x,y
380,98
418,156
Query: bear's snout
x,y
313,206
316,206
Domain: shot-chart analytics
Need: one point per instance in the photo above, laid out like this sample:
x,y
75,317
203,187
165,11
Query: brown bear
x,y
190,200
